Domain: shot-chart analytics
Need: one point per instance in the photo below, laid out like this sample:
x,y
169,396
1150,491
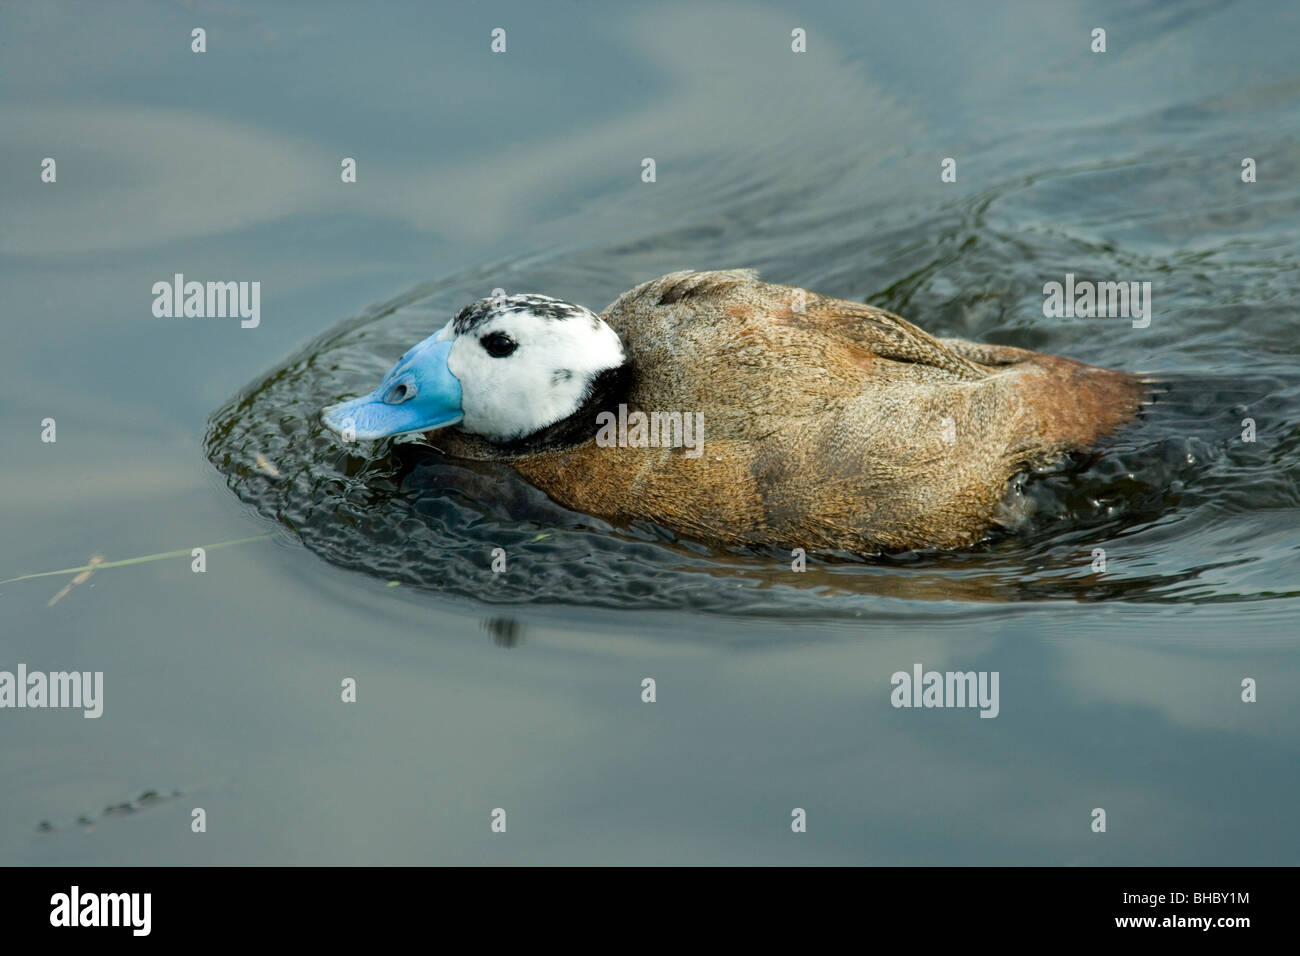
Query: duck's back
x,y
827,424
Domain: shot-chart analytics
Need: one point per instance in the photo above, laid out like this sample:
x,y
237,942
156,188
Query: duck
x,y
786,419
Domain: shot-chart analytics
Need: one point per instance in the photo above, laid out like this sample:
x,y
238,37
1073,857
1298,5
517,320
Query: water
x,y
523,691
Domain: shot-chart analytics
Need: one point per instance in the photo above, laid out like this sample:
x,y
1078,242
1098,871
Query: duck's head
x,y
504,368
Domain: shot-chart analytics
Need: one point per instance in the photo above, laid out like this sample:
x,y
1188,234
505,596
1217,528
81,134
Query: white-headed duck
x,y
769,415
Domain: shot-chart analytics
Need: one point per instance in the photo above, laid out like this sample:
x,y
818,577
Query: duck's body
x,y
827,425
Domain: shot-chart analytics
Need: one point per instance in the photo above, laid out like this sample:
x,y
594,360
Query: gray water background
x,y
522,170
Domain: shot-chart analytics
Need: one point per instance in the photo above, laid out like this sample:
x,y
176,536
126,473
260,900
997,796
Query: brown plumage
x,y
827,424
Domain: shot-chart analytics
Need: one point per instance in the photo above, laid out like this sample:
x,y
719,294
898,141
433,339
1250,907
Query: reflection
x,y
505,631
196,174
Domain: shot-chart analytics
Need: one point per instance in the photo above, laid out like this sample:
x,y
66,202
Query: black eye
x,y
498,344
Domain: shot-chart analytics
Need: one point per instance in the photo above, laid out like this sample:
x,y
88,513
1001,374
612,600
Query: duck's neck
x,y
609,389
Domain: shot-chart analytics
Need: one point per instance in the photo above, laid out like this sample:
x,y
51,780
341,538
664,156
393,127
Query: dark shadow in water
x,y
505,631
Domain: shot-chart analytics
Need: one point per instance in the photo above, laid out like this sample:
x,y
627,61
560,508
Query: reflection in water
x,y
505,631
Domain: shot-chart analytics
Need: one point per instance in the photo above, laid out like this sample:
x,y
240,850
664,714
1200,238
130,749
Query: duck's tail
x,y
1068,405
1085,403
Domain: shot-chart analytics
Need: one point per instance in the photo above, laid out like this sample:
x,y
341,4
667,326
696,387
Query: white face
x,y
525,362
